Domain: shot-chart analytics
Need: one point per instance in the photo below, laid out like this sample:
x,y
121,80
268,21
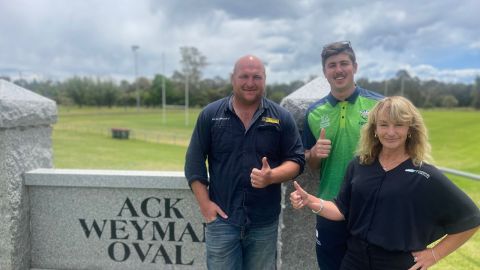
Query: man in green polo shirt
x,y
331,132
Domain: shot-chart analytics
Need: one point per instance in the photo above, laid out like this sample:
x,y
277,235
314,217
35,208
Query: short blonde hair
x,y
399,110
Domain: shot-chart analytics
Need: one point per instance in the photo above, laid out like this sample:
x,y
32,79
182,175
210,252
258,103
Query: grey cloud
x,y
94,37
193,10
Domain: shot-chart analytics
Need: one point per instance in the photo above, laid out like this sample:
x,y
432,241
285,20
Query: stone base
x,y
114,220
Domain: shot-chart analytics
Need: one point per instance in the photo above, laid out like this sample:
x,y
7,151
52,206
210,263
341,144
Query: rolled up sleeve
x,y
197,152
292,148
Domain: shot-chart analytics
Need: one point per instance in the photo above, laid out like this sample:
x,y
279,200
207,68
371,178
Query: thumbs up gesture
x,y
261,178
321,149
299,197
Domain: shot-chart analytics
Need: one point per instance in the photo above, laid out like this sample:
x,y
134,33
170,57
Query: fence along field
x,y
82,139
145,124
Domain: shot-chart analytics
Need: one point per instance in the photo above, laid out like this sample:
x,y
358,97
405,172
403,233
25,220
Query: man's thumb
x,y
265,164
322,133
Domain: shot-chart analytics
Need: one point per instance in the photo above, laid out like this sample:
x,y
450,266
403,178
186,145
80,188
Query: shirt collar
x,y
351,99
263,104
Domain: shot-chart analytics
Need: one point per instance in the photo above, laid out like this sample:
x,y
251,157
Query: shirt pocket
x,y
267,140
223,139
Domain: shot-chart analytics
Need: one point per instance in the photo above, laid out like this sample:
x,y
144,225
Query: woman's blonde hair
x,y
399,110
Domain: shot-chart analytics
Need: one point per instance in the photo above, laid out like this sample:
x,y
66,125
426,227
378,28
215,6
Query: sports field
x,y
82,140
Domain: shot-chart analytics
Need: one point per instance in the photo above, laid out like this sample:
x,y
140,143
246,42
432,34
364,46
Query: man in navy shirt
x,y
252,145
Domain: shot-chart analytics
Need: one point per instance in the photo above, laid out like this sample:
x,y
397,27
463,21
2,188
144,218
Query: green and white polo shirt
x,y
342,121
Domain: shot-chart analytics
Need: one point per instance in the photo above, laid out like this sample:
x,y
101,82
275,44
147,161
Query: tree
x,y
476,94
428,92
126,97
144,87
449,101
45,88
210,90
77,90
192,63
109,92
403,74
156,91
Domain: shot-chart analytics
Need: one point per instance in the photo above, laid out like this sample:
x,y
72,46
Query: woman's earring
x,y
375,135
409,135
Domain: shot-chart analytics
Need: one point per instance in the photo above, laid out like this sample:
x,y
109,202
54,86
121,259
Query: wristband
x,y
433,253
319,210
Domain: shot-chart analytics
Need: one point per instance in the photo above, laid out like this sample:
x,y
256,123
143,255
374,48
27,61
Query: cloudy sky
x,y
57,39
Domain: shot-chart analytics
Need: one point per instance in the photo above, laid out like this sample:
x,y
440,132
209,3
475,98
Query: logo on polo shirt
x,y
220,118
364,114
422,173
324,121
271,120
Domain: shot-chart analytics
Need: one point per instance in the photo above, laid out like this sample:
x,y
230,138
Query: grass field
x,y
455,139
82,139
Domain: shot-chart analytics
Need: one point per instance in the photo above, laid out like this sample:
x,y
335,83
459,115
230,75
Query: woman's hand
x,y
423,259
299,197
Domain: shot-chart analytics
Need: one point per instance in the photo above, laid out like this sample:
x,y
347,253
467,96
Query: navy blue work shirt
x,y
233,151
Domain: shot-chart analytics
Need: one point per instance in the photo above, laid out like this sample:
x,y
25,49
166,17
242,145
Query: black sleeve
x,y
291,144
308,139
195,167
451,208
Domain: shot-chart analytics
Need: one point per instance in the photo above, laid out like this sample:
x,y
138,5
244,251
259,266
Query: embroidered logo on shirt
x,y
422,173
220,118
324,121
270,120
364,114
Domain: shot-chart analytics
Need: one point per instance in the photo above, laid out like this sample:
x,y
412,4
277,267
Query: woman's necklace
x,y
387,164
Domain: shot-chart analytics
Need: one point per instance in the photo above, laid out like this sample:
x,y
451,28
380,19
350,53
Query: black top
x,y
233,151
404,209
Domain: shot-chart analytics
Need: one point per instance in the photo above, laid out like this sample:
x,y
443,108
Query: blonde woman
x,y
394,201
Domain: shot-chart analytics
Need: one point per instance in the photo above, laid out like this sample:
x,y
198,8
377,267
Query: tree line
x,y
428,93
91,91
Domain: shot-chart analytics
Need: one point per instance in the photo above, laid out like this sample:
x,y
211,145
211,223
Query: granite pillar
x,y
25,144
298,226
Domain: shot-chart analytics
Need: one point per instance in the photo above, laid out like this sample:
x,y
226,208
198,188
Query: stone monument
x,y
298,228
113,219
25,144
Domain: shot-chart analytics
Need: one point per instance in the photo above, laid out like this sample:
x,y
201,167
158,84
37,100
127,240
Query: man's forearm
x,y
201,193
286,171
